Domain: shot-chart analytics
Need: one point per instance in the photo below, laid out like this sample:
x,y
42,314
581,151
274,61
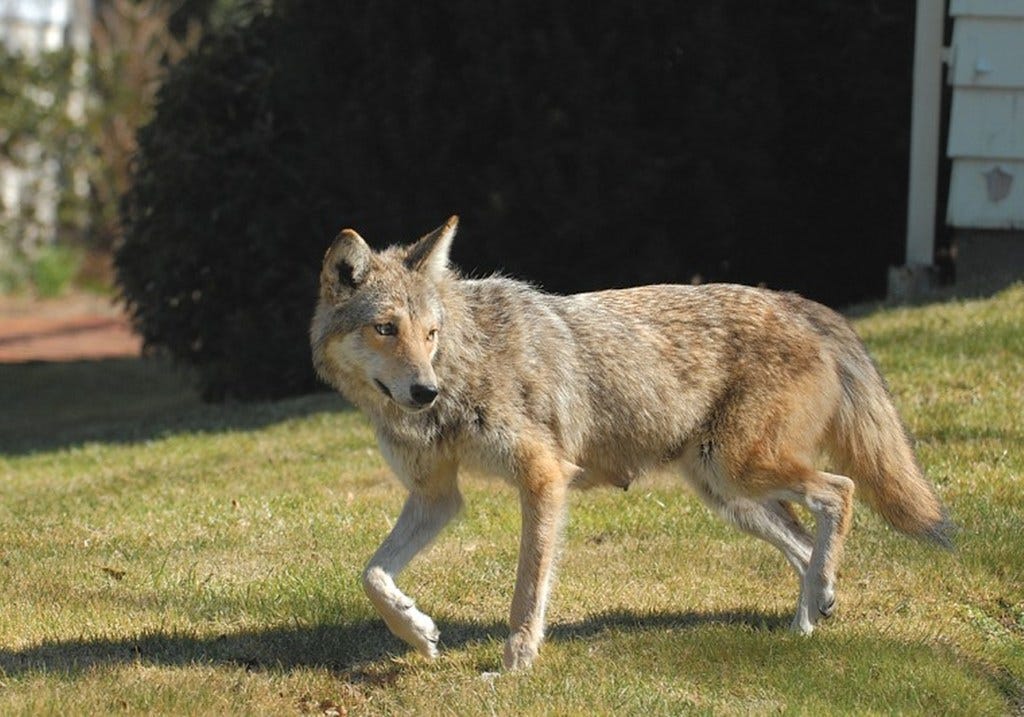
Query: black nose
x,y
423,395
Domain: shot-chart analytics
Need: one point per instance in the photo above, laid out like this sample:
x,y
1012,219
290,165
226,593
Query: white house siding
x,y
986,133
31,26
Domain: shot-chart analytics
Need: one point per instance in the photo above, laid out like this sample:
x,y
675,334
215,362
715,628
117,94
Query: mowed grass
x,y
162,556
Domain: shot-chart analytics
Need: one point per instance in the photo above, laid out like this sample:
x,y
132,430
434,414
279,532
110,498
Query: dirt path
x,y
79,326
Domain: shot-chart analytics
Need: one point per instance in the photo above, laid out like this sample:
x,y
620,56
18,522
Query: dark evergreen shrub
x,y
584,145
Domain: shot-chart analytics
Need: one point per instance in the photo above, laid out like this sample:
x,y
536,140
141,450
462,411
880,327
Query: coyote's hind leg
x,y
770,520
829,497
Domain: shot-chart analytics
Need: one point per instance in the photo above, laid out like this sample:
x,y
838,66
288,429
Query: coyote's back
x,y
744,391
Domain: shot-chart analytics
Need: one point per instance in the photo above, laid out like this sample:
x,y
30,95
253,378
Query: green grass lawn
x,y
162,556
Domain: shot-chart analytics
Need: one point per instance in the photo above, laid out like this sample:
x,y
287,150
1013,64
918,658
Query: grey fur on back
x,y
620,379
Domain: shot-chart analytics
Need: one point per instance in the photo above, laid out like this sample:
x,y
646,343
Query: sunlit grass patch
x,y
162,556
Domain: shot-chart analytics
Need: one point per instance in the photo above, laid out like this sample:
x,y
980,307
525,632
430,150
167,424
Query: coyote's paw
x,y
808,615
416,628
400,613
520,651
826,599
801,625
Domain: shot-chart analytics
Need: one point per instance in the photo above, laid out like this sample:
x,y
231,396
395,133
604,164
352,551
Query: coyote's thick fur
x,y
743,391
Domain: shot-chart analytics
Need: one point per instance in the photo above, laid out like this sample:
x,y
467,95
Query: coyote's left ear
x,y
430,254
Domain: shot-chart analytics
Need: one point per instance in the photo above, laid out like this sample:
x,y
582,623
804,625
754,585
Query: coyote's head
x,y
379,319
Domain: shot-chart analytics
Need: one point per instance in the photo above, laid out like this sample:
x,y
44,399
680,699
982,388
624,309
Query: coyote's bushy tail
x,y
873,449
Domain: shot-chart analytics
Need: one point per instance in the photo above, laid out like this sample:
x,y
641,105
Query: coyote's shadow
x,y
350,648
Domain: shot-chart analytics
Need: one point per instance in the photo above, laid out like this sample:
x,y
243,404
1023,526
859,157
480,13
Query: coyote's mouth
x,y
383,388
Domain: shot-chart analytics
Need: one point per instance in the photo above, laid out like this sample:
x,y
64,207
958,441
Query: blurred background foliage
x,y
36,130
584,146
71,121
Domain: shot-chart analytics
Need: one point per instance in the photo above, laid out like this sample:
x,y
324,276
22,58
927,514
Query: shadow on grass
x,y
360,651
352,648
46,406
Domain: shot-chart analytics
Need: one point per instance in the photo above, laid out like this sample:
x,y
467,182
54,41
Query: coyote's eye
x,y
432,335
387,329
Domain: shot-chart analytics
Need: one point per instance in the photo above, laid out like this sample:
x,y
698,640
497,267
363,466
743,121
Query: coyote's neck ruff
x,y
740,390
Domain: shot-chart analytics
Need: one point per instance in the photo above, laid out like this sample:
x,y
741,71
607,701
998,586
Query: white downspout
x,y
924,132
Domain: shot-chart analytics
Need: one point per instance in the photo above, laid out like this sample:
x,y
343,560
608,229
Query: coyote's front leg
x,y
543,482
430,506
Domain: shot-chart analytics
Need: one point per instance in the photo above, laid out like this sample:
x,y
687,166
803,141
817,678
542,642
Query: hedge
x,y
584,145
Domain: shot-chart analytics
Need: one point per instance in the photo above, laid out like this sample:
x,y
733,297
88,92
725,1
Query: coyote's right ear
x,y
346,265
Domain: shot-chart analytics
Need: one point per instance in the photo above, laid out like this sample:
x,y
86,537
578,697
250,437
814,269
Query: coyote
x,y
743,391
